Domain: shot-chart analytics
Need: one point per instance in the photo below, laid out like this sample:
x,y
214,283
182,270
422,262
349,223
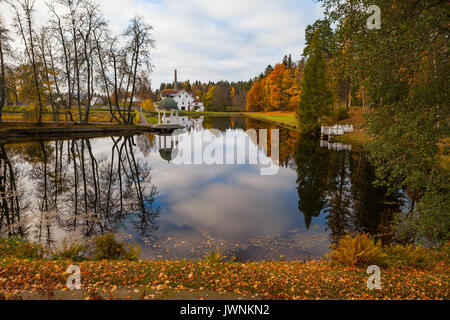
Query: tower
x,y
175,84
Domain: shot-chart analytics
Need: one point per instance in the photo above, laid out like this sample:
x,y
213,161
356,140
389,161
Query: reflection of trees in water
x,y
146,144
12,203
224,123
288,140
312,176
78,192
340,184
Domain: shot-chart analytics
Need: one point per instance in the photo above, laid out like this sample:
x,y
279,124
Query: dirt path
x,y
144,121
140,293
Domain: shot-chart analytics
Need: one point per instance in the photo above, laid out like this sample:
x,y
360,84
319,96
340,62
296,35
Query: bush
x,y
360,250
74,251
19,248
137,117
214,257
109,248
399,256
428,224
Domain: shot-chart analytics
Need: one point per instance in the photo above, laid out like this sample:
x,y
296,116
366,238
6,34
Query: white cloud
x,y
214,39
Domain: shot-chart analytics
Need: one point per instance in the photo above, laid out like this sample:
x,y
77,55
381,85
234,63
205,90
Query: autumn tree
x,y
404,69
255,97
23,21
140,42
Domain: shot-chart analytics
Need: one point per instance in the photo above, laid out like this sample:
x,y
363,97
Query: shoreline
x,y
23,131
274,280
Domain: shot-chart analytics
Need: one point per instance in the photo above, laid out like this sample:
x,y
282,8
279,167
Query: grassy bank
x,y
213,278
94,117
211,114
284,119
359,136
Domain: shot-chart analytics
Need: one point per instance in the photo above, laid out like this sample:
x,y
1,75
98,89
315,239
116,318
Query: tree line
x,y
401,73
72,58
277,89
217,96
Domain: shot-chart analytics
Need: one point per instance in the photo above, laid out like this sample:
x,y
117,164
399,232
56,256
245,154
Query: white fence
x,y
337,130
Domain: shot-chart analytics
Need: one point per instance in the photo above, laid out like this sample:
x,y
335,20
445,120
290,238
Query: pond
x,y
134,186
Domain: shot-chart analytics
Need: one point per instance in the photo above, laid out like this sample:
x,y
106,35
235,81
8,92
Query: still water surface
x,y
133,186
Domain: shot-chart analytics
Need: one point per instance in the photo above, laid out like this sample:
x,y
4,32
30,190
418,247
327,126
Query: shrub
x,y
214,257
360,250
132,252
19,248
428,224
109,248
137,117
74,251
399,256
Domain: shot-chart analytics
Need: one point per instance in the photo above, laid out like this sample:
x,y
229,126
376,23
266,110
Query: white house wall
x,y
184,100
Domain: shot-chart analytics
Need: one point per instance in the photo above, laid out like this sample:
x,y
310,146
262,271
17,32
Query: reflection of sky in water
x,y
222,206
232,209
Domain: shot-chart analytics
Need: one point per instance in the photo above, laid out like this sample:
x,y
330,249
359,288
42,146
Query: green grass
x,y
19,248
212,114
283,120
151,119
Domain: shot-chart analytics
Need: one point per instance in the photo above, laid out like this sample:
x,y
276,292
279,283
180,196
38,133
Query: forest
x,y
63,66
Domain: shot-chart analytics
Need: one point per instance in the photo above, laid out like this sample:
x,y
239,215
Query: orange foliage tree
x,y
277,90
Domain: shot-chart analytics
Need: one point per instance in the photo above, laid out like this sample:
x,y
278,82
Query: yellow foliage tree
x,y
148,105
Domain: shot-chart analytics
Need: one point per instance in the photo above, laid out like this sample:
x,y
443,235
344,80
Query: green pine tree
x,y
316,97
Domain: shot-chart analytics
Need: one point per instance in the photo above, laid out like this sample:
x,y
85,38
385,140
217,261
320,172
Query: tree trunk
x,y
2,81
105,80
49,88
347,96
58,91
77,70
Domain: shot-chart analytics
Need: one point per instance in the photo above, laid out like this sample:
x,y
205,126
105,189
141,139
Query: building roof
x,y
170,93
167,103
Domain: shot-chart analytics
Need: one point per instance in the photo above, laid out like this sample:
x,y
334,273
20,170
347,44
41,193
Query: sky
x,y
212,40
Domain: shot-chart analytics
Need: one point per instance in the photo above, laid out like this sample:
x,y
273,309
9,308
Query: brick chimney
x,y
175,84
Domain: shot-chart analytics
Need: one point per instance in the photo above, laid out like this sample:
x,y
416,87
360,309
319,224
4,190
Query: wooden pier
x,y
166,128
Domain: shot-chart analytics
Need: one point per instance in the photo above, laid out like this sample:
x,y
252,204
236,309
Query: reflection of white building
x,y
168,145
191,123
185,100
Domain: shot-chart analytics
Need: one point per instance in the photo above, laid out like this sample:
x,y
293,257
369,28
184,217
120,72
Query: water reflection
x,y
128,185
70,189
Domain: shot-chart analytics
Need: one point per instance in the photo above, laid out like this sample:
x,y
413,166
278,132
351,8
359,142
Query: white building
x,y
185,100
